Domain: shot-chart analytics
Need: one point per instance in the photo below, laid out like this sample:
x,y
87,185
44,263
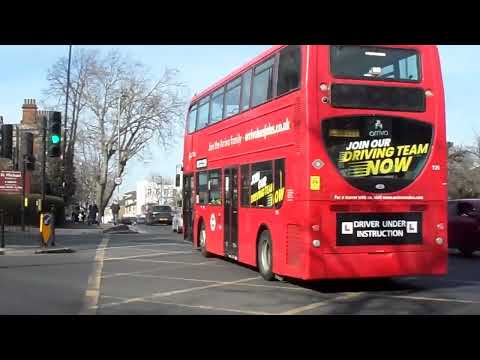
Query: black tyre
x,y
466,252
202,240
264,256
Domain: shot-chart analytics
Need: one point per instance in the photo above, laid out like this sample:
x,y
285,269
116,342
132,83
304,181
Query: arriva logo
x,y
378,129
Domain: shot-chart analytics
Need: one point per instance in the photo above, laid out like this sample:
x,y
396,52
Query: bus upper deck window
x,y
192,119
288,70
374,63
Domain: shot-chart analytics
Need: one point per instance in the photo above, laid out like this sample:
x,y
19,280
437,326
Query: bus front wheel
x,y
264,256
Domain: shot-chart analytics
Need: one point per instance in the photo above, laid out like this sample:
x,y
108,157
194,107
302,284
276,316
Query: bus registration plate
x,y
379,228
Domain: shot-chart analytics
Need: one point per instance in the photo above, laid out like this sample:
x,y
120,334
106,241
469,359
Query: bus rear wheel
x,y
264,256
202,239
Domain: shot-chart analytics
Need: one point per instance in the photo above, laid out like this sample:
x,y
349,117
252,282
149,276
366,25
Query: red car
x,y
464,225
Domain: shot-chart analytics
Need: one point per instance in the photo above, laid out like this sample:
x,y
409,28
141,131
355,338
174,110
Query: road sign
x,y
11,181
118,180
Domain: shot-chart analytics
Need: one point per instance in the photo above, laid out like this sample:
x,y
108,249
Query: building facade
x,y
149,192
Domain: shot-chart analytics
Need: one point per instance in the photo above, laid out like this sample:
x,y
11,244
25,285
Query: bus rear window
x,y
374,63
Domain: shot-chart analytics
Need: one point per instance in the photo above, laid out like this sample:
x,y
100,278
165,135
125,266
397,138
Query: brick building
x,y
32,122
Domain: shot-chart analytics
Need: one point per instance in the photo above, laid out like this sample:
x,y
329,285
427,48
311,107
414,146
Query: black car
x,y
464,225
159,214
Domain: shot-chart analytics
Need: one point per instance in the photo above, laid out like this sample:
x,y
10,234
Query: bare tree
x,y
121,102
464,170
81,73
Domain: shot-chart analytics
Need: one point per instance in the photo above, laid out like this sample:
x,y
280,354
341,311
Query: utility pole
x,y
66,122
66,102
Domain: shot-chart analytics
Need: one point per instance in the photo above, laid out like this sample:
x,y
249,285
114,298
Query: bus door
x,y
231,212
188,208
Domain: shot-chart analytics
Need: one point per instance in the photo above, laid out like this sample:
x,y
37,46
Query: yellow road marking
x,y
94,281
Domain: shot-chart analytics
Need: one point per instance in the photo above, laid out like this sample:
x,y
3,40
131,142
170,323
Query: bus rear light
x,y
439,240
316,243
315,227
441,226
428,93
325,100
323,87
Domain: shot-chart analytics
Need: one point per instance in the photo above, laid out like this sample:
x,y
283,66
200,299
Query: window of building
x,y
203,111
214,186
217,106
262,82
288,70
261,184
245,192
232,97
202,187
192,119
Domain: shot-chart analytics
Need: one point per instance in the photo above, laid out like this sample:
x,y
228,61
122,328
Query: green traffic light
x,y
55,139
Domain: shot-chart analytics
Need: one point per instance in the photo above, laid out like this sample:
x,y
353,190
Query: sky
x,y
24,70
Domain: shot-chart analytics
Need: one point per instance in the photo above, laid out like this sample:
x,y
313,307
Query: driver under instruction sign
x,y
379,229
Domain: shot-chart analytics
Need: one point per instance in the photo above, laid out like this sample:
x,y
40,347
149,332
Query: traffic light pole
x,y
44,153
22,205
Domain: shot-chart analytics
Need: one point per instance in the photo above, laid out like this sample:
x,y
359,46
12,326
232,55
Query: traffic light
x,y
6,143
54,139
27,151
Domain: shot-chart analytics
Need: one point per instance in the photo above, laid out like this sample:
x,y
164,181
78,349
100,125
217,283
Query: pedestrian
x,y
115,210
94,213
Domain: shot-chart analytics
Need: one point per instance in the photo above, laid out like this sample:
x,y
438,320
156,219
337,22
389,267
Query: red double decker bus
x,y
321,162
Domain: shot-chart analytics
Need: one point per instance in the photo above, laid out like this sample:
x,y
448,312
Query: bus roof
x,y
264,55
236,72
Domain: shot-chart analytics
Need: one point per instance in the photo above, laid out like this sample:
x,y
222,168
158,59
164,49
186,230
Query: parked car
x,y
177,221
159,214
140,219
464,225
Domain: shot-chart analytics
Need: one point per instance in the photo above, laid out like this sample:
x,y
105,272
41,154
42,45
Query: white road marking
x,y
165,261
171,278
276,287
175,292
157,268
94,281
423,298
204,307
312,306
147,246
148,255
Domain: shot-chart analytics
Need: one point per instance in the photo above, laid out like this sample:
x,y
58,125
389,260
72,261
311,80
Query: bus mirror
x,y
177,180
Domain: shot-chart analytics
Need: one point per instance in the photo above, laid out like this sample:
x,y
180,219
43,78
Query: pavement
x,y
155,271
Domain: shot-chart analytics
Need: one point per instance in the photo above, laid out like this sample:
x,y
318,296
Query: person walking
x,y
115,210
94,213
